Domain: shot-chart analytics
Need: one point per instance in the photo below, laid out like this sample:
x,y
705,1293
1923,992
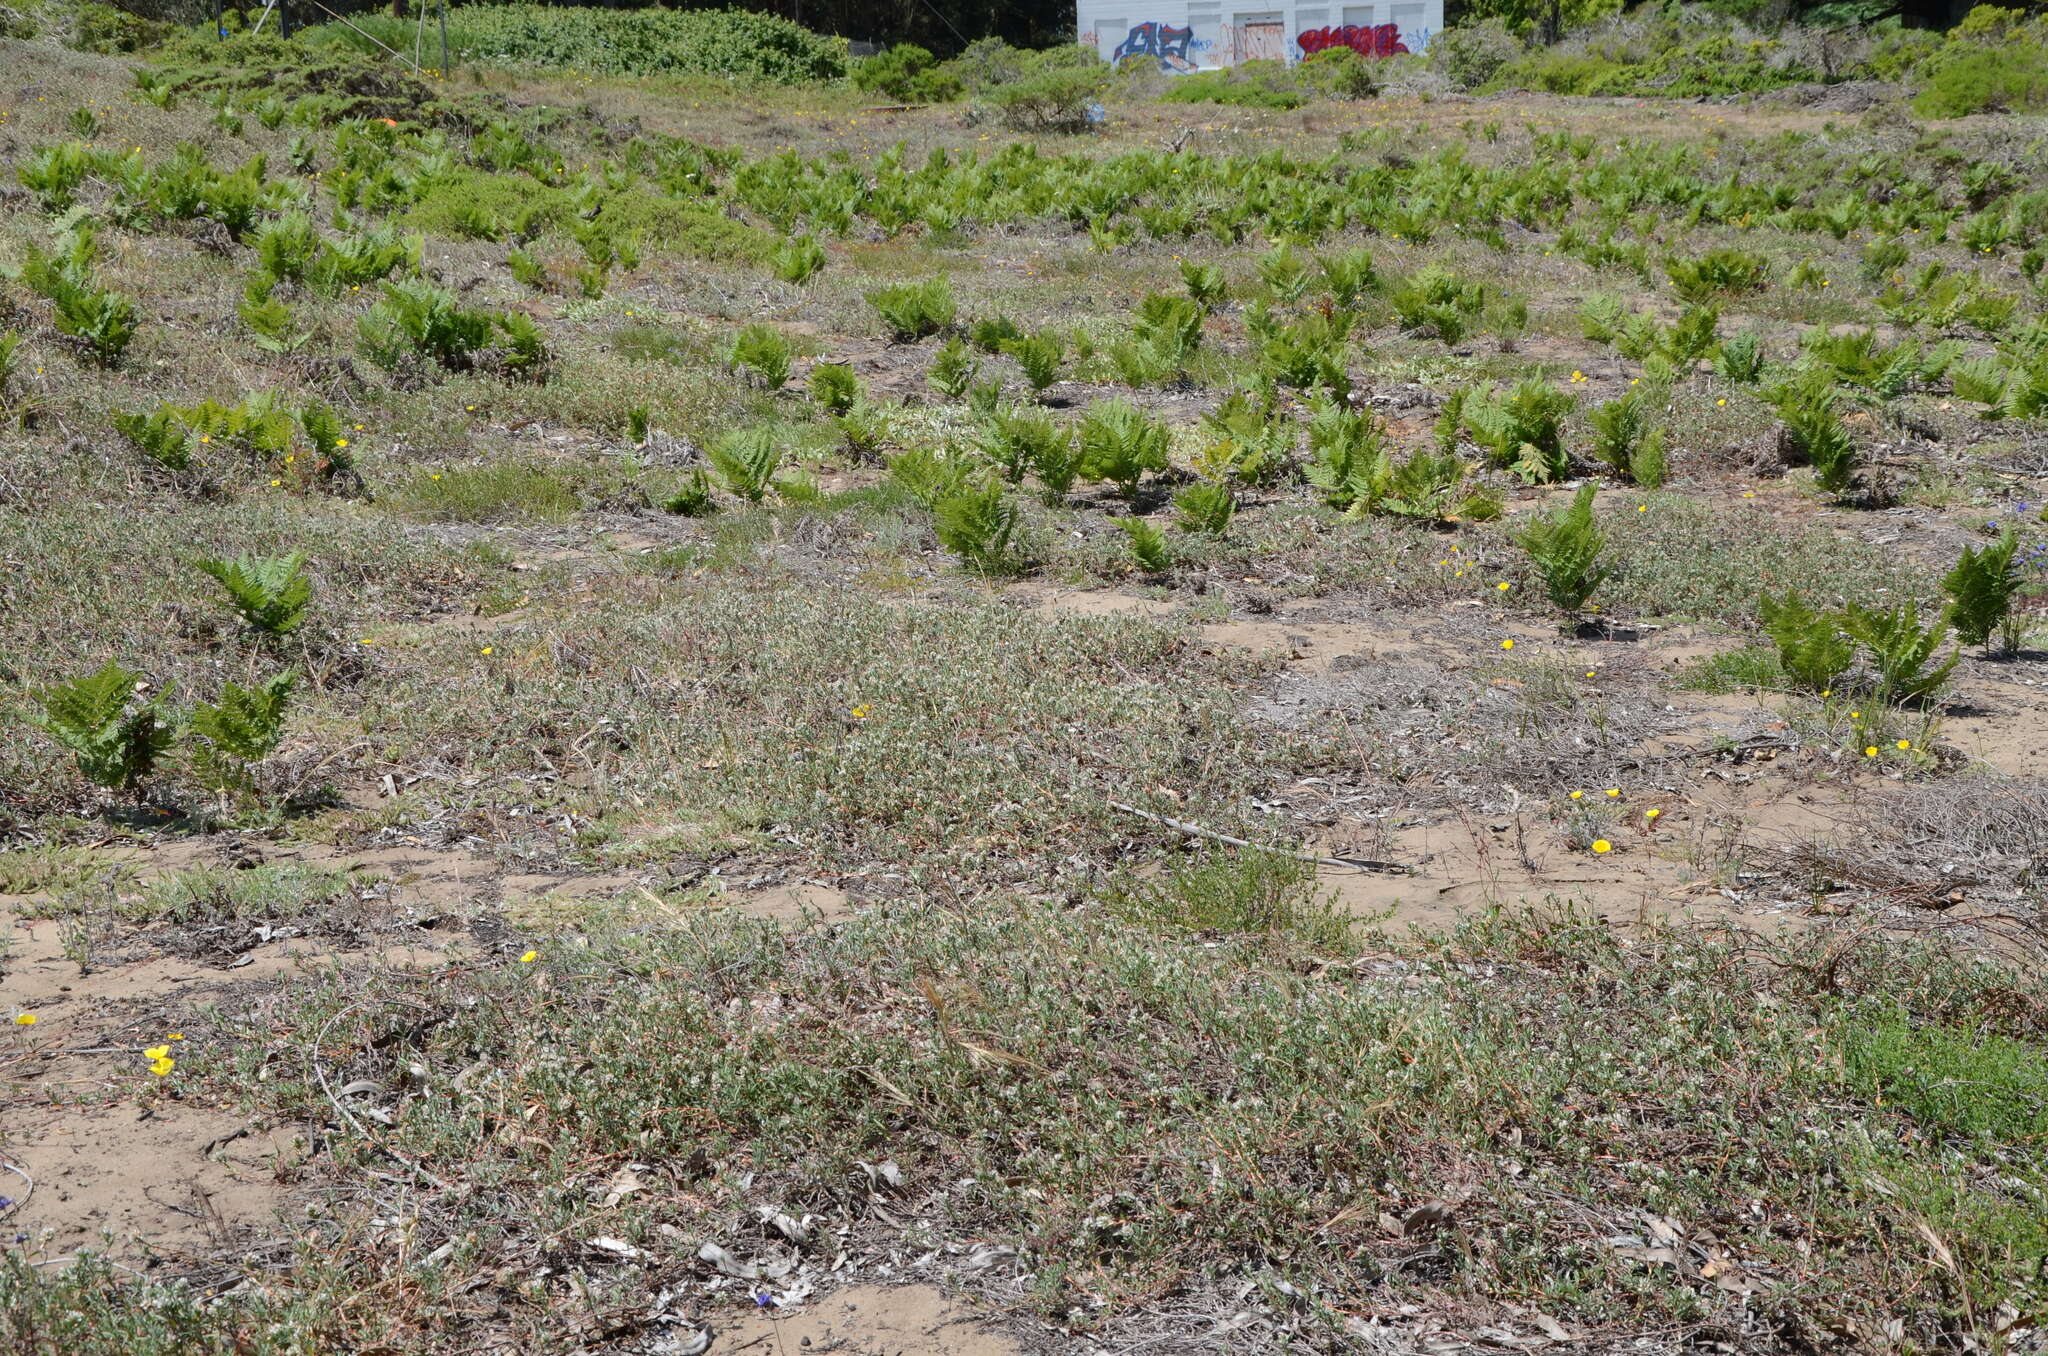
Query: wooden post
x,y
218,31
444,39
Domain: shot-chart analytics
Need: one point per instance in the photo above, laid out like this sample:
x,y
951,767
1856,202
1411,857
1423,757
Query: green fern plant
x,y
914,310
1347,461
1901,650
1204,508
1812,649
1627,441
1119,444
1523,430
746,461
991,333
240,730
953,368
1565,548
1741,358
694,498
1148,545
1017,442
1204,283
1284,274
162,436
1981,588
834,387
285,247
1423,487
1350,276
930,476
1814,430
1039,355
977,524
762,350
269,593
115,737
797,260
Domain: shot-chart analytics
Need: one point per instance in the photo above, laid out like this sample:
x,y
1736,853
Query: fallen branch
x,y
1197,831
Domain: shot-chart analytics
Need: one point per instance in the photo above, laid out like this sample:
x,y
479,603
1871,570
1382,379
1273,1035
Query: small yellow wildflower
x,y
1601,845
1614,793
1870,752
1507,645
1578,376
1642,508
860,713
1651,814
161,1067
1502,586
341,442
1905,744
157,1052
1722,401
529,958
1577,795
275,483
24,1019
485,650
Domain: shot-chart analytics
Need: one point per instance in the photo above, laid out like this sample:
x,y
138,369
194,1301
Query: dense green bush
x,y
723,42
1057,99
910,73
1988,66
1253,84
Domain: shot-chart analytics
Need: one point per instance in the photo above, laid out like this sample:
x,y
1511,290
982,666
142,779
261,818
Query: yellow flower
x,y
1722,401
1578,375
24,1019
358,427
1870,752
341,442
1651,814
485,650
175,1036
1614,793
1855,715
860,713
275,483
1577,794
1507,645
529,958
1601,845
1502,586
163,1066
1905,744
157,1052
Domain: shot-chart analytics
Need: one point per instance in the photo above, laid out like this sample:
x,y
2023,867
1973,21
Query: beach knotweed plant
x,y
763,351
115,733
1813,651
269,593
746,461
1980,590
1626,439
240,730
1901,650
1119,444
1205,508
1565,548
977,524
914,310
834,387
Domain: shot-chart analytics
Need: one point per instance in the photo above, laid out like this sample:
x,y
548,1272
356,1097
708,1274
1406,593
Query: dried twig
x,y
1196,830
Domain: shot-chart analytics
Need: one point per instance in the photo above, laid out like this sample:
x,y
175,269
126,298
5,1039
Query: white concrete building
x,y
1187,35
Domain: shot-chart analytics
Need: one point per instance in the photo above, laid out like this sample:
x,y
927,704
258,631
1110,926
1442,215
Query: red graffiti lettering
x,y
1379,41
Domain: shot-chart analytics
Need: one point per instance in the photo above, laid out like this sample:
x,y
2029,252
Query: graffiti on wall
x,y
1379,40
1170,46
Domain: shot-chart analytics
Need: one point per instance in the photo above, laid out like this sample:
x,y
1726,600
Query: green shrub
x,y
2009,78
1340,73
1347,454
1900,649
1627,441
1251,84
953,368
1039,355
1814,430
1523,430
1565,548
241,729
909,74
796,260
1058,100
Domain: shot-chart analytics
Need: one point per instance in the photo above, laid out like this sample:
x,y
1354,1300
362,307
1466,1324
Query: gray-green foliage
x,y
1565,549
114,731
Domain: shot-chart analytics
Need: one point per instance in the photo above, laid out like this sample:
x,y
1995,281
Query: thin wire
x,y
352,28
